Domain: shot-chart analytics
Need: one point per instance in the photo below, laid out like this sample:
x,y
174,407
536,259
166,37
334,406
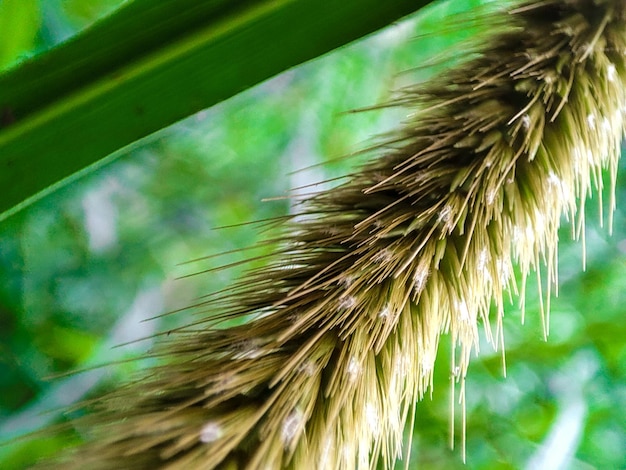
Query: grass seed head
x,y
418,243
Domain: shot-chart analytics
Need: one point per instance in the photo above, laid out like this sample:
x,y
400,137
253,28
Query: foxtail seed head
x,y
497,149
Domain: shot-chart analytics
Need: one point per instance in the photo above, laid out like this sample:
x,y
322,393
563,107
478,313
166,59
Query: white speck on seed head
x,y
354,369
463,311
591,121
346,281
503,271
292,425
383,256
420,278
210,432
384,313
371,416
445,214
483,258
611,72
308,368
347,302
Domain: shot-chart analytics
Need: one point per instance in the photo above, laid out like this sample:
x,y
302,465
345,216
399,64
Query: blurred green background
x,y
85,267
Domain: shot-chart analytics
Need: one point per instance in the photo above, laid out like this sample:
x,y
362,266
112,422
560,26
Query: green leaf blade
x,y
113,85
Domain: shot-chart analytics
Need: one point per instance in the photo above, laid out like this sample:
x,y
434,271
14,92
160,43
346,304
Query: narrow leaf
x,y
151,64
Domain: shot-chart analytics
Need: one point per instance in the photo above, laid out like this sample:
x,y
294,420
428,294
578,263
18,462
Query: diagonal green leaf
x,y
151,64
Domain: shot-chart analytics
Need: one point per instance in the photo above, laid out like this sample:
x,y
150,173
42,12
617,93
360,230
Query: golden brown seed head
x,y
419,243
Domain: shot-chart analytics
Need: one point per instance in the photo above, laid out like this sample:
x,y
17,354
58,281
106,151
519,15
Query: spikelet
x,y
420,242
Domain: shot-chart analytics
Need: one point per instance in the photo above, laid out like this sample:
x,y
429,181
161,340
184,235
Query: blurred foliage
x,y
79,263
19,23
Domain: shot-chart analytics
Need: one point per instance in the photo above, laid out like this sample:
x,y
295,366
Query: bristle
x,y
419,243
